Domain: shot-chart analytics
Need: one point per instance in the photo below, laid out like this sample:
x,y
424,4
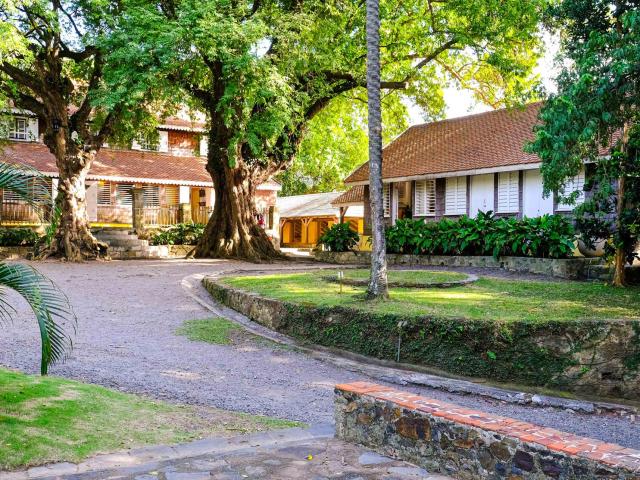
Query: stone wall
x,y
14,253
586,356
469,444
150,252
569,268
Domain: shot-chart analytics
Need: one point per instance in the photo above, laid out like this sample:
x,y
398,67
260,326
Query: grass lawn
x,y
211,330
49,419
499,299
409,276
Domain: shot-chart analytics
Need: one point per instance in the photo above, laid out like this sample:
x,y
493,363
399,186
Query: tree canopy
x,y
594,119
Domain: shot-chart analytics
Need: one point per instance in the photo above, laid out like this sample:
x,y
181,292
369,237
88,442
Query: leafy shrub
x,y
179,234
551,236
339,238
17,237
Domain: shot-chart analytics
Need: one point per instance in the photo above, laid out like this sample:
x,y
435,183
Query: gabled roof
x,y
490,140
310,205
182,125
353,196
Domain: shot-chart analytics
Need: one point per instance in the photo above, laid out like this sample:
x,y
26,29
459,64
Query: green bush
x,y
339,238
548,236
18,237
180,234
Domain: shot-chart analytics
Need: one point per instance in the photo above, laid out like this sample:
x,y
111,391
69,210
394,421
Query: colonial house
x,y
169,168
462,166
304,218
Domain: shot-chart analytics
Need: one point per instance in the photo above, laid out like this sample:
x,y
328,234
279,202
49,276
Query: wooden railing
x,y
201,214
161,216
22,213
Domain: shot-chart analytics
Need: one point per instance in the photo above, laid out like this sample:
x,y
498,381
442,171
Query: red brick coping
x,y
553,440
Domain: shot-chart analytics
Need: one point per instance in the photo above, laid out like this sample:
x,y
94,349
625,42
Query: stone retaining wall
x,y
470,444
150,252
14,253
586,356
569,268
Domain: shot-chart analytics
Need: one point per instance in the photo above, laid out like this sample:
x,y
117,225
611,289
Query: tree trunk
x,y
620,260
378,281
73,239
233,230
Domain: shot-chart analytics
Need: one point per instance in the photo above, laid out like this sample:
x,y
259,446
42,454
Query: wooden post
x,y
184,213
343,211
137,214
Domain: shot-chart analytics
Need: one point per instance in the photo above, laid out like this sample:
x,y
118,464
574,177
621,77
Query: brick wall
x,y
469,444
183,143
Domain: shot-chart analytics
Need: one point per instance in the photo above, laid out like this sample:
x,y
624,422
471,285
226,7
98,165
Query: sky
x,y
460,102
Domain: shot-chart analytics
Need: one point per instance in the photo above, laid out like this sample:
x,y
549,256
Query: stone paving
x,y
300,454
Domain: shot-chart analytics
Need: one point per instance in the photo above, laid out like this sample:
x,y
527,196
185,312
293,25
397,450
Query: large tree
x,y
53,66
594,119
263,69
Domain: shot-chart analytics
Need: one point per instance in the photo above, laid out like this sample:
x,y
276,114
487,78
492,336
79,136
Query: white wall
x,y
482,194
185,194
533,205
164,141
92,201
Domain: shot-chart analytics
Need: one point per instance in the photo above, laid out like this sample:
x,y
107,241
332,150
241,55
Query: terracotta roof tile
x,y
355,195
485,140
176,123
134,165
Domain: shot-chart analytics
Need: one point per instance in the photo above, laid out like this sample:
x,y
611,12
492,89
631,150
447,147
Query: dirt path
x,y
129,311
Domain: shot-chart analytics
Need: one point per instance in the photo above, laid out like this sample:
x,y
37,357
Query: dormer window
x,y
18,128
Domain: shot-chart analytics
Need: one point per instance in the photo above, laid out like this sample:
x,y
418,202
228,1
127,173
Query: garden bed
x,y
583,337
567,268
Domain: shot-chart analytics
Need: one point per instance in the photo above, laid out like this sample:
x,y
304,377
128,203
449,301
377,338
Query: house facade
x,y
169,167
463,166
304,218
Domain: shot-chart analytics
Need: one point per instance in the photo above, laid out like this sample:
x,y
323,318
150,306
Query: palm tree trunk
x,y
378,281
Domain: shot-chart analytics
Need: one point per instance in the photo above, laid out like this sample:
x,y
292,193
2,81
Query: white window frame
x,y
573,184
508,192
424,198
455,196
16,133
386,199
101,187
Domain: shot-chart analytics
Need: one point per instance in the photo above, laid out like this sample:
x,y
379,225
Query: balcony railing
x,y
201,214
161,216
20,213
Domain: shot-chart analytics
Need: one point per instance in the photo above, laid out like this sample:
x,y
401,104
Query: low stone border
x,y
15,253
593,357
470,278
150,252
471,444
569,268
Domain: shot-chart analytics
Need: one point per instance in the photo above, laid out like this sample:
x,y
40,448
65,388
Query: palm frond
x,y
50,305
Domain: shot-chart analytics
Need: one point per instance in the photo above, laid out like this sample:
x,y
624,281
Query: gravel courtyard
x,y
128,313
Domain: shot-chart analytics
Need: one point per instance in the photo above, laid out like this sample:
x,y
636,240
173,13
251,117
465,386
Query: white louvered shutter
x,y
572,185
151,195
425,198
456,196
386,199
508,191
124,194
104,193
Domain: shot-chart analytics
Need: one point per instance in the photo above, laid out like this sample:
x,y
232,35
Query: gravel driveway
x,y
128,313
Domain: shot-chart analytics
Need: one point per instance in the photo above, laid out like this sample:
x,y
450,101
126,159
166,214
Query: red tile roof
x,y
112,164
485,140
175,123
353,196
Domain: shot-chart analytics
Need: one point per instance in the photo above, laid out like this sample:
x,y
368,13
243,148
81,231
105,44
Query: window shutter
x,y
151,195
104,193
425,198
456,196
572,185
508,192
124,194
386,199
172,195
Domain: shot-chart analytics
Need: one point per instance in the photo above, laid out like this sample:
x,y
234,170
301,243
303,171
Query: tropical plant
x,y
180,234
548,236
378,282
51,307
339,238
594,118
18,237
